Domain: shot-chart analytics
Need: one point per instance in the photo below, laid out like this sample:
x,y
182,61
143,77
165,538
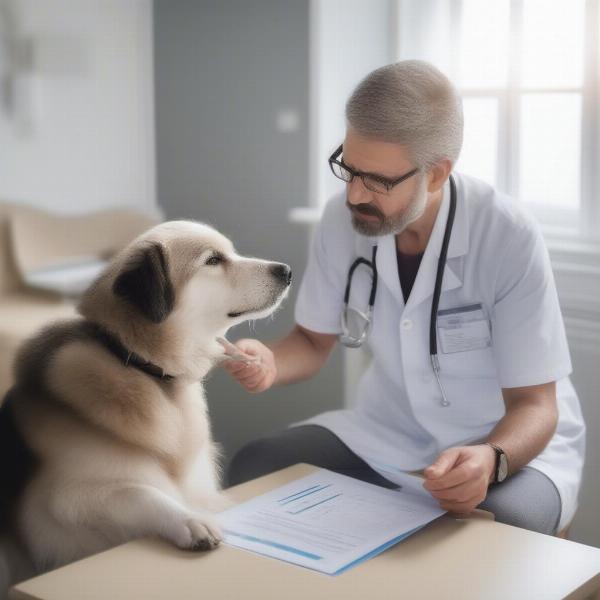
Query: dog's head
x,y
177,287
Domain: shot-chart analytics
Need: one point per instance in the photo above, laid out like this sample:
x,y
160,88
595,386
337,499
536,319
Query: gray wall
x,y
222,70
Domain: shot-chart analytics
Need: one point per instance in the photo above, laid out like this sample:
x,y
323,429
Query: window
x,y
528,74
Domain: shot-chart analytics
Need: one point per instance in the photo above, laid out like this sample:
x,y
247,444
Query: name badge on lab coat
x,y
463,328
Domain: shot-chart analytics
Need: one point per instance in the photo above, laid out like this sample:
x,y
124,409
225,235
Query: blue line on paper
x,y
300,492
251,538
306,494
313,505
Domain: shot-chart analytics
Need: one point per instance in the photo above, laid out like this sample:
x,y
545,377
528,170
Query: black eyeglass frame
x,y
387,183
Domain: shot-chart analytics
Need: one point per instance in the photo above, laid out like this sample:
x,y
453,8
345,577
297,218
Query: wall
x,y
348,40
83,137
577,273
224,71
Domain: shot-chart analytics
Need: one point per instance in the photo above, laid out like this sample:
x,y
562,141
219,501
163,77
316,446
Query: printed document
x,y
329,522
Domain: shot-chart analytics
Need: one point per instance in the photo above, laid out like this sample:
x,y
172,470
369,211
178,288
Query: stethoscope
x,y
355,341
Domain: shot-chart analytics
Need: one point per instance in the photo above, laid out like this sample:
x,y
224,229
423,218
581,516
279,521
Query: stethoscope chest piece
x,y
356,326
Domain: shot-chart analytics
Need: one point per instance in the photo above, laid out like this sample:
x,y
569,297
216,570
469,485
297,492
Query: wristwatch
x,y
501,469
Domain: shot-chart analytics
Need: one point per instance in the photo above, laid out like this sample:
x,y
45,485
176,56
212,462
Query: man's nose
x,y
357,193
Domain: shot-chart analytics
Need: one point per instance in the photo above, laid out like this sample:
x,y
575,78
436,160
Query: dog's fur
x,y
94,452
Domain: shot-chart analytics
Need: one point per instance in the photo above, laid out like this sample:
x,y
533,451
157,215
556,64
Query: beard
x,y
393,224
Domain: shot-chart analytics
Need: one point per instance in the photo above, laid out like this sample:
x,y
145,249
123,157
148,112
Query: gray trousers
x,y
528,499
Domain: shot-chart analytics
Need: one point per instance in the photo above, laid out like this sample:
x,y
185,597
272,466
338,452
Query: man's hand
x,y
254,376
459,477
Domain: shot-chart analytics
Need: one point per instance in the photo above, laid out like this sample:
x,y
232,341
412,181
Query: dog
x,y
105,435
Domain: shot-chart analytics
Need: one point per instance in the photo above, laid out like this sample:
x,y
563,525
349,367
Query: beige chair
x,y
32,239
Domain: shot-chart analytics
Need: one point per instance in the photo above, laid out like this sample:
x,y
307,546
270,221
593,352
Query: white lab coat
x,y
496,257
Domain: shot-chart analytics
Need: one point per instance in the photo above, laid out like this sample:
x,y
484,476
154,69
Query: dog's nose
x,y
282,272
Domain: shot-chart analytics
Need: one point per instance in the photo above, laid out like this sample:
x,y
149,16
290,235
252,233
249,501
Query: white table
x,y
470,559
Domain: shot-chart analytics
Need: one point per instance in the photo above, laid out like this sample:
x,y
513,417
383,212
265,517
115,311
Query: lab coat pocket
x,y
470,364
471,384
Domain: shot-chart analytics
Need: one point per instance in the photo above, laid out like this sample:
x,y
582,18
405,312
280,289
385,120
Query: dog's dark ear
x,y
145,283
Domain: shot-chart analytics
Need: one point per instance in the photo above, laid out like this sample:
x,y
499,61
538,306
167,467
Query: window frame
x,y
583,223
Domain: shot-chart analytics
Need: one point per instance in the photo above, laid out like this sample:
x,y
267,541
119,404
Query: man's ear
x,y
439,174
144,282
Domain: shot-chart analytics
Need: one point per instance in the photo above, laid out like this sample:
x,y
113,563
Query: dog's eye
x,y
215,259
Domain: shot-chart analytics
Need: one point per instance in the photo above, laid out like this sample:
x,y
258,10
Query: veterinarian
x,y
475,392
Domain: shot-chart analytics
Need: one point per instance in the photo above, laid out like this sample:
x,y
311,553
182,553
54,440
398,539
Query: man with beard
x,y
449,284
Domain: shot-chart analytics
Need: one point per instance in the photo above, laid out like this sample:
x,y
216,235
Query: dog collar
x,y
128,357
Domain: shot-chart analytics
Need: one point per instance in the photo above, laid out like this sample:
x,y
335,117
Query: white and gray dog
x,y
105,435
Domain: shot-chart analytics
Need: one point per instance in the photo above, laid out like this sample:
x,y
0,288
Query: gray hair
x,y
413,104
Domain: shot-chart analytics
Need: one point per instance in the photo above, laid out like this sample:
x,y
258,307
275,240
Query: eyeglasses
x,y
372,182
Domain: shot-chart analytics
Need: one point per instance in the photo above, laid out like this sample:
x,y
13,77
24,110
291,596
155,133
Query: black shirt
x,y
408,267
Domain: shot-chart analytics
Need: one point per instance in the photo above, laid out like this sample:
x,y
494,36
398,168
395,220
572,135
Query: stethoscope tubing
x,y
437,290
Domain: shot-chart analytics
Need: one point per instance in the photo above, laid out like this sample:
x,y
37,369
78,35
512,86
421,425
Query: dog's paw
x,y
200,533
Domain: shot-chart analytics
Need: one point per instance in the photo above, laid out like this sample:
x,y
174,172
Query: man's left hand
x,y
459,478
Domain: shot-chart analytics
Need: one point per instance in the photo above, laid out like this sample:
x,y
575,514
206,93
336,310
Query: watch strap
x,y
498,451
